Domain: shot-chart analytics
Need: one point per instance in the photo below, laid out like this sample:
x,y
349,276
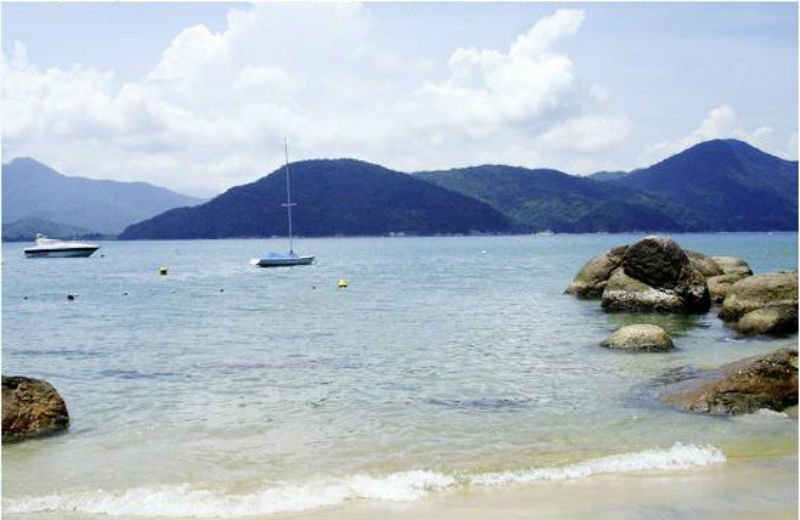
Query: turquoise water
x,y
223,390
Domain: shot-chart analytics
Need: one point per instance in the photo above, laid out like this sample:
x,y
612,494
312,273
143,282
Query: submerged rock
x,y
744,386
31,408
640,338
656,275
762,304
592,278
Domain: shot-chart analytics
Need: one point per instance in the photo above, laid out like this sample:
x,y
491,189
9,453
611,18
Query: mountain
x,y
542,199
33,190
732,185
25,229
334,197
607,176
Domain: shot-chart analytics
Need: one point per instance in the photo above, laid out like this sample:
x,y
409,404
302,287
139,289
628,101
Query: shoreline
x,y
700,493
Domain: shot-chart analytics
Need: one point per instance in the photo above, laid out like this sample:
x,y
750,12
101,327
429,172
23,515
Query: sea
x,y
449,373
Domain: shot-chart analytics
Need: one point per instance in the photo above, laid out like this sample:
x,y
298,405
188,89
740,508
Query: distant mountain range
x,y
26,229
722,185
539,200
713,186
32,190
334,197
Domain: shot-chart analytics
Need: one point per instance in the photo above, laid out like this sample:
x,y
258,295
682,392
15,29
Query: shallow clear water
x,y
222,383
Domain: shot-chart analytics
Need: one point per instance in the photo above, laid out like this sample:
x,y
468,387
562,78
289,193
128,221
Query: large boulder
x,y
592,278
718,286
745,386
707,266
640,338
732,265
774,320
772,295
656,275
31,408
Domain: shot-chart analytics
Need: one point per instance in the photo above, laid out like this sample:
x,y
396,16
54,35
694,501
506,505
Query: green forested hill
x,y
334,197
734,186
539,200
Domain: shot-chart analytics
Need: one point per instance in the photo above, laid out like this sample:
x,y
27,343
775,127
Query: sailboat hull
x,y
283,262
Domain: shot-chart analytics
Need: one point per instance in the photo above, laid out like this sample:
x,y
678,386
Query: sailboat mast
x,y
288,193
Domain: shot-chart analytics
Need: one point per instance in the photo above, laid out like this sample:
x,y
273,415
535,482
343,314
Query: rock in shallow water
x,y
762,304
707,266
656,275
733,265
31,408
592,278
718,286
640,338
744,386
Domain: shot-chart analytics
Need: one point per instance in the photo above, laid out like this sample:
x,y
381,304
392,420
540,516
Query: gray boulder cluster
x,y
657,275
654,274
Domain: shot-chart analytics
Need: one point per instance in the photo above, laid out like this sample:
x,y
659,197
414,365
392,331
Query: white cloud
x,y
588,134
720,123
213,110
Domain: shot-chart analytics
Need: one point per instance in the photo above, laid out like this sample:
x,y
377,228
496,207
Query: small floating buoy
x,y
70,296
342,283
222,290
24,297
125,293
162,271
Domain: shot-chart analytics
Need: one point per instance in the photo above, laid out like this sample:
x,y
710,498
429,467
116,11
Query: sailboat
x,y
290,258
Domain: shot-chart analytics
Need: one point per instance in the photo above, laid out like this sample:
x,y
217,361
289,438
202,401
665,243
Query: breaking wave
x,y
178,501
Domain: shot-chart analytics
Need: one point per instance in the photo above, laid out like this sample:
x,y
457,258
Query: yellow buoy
x,y
162,271
342,283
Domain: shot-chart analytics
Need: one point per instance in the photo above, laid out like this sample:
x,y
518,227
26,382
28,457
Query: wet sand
x,y
761,488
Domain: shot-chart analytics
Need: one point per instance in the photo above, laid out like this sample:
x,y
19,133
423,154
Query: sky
x,y
198,97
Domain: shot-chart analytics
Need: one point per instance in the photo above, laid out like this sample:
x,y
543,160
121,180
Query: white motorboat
x,y
290,258
55,248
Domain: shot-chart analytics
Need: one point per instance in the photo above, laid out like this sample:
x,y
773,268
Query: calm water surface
x,y
225,390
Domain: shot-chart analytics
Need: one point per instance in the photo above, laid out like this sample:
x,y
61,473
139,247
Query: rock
x,y
718,286
592,278
768,381
656,275
757,291
640,338
657,261
623,293
774,320
732,265
707,266
31,408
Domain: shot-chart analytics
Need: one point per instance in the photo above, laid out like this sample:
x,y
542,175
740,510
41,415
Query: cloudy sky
x,y
198,97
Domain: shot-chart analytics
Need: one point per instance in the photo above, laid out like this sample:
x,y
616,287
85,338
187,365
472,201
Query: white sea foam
x,y
185,501
188,501
679,457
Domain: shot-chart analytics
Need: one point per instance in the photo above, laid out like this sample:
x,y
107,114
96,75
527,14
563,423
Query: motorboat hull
x,y
66,252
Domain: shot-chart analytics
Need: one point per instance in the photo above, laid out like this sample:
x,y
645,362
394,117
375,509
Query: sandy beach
x,y
763,488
